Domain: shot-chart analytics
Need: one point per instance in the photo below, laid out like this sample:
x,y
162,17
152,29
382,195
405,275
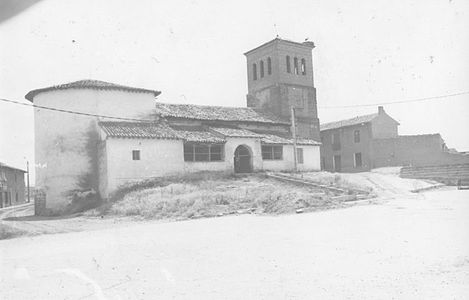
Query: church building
x,y
122,134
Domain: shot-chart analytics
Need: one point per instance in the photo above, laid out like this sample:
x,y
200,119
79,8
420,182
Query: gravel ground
x,y
405,248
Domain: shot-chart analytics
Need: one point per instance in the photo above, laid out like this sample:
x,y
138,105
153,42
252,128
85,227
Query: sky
x,y
367,52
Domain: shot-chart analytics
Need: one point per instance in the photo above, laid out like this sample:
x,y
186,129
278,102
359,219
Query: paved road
x,y
403,249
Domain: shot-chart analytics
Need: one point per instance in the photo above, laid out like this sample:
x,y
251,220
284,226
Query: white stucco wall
x,y
228,163
157,158
311,160
63,141
165,157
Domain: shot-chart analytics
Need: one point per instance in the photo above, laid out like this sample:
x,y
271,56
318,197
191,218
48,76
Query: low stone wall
x,y
448,174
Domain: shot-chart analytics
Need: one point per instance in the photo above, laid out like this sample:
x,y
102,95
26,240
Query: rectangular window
x,y
357,160
254,71
272,152
135,154
336,141
288,64
356,136
299,155
203,152
295,65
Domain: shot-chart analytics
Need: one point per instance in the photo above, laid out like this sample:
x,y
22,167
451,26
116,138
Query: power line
x,y
149,120
398,101
76,112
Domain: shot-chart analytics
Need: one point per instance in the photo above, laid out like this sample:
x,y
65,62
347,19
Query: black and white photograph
x,y
197,149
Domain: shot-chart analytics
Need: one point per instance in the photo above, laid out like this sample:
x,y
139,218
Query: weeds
x,y
8,232
212,194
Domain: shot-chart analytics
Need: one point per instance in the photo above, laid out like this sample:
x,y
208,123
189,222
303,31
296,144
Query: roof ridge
x,y
89,84
350,119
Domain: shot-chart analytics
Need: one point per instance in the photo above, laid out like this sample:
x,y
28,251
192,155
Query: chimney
x,y
380,110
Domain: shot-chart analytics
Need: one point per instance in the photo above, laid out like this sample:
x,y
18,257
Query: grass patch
x,y
8,232
213,194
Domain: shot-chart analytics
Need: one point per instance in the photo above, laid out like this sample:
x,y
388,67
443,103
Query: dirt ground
x,y
403,248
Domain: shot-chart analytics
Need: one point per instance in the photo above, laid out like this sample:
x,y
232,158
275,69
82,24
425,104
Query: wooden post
x,y
27,170
294,138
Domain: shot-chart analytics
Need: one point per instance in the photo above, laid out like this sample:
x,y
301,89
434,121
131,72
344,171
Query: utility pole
x,y
27,169
294,138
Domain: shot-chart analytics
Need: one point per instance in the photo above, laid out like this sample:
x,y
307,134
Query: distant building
x,y
76,153
12,187
372,141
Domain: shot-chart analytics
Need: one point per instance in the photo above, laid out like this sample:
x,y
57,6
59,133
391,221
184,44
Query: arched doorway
x,y
242,159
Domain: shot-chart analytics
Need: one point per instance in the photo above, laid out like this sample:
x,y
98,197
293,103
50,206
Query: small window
x,y
356,136
254,71
272,152
295,65
288,64
135,154
269,66
357,160
299,155
303,66
262,68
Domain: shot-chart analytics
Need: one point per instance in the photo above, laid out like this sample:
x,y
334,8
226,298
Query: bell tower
x,y
280,76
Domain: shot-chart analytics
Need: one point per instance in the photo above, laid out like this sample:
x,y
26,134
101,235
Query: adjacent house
x,y
103,135
372,141
12,187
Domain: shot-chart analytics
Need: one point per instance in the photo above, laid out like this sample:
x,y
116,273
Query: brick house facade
x,y
12,187
347,144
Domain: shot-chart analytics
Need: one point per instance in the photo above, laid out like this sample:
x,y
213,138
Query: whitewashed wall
x,y
62,140
157,158
311,160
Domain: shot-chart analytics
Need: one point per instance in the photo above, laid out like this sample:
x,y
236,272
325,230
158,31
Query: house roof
x,y
193,134
235,132
269,138
90,84
138,130
197,135
2,165
349,122
216,113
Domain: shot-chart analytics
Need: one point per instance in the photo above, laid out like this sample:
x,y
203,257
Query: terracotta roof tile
x,y
138,130
348,122
197,135
235,132
89,84
216,113
269,138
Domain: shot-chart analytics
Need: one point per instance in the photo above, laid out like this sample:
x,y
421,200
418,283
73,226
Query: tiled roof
x,y
89,84
235,132
216,113
349,122
197,134
191,133
276,139
138,130
2,165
